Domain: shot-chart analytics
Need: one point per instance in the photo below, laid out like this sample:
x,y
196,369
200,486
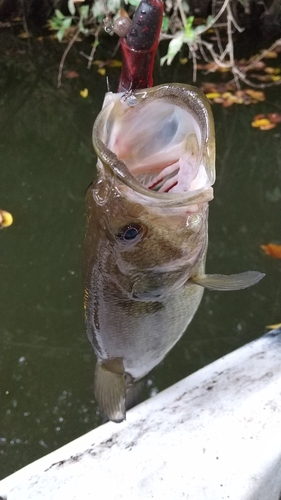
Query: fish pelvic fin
x,y
110,391
222,282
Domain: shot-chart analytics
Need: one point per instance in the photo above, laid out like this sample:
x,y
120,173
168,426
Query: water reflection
x,y
47,161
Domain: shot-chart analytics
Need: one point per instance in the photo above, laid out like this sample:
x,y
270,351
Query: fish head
x,y
156,168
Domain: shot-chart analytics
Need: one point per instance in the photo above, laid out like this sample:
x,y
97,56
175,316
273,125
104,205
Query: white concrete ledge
x,y
215,435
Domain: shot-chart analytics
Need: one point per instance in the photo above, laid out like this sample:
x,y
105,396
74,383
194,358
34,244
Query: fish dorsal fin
x,y
222,282
110,392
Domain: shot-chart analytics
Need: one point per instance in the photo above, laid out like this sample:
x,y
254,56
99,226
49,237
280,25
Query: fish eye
x,y
131,233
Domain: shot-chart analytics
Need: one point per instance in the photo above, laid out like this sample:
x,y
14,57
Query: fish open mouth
x,y
160,144
164,143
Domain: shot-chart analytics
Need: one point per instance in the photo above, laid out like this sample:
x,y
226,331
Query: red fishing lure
x,y
139,46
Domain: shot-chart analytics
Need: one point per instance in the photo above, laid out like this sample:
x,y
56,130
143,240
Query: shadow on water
x,y
47,161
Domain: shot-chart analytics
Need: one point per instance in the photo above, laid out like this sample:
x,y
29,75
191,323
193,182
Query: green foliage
x,y
61,23
179,27
84,12
174,47
113,5
98,10
189,35
71,7
134,3
165,24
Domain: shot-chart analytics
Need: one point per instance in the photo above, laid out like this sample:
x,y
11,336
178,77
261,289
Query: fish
x,y
147,218
147,232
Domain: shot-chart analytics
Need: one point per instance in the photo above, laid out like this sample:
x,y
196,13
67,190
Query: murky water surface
x,y
47,162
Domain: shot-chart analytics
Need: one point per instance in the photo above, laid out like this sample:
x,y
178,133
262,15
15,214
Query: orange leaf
x,y
268,126
71,74
269,70
256,94
273,250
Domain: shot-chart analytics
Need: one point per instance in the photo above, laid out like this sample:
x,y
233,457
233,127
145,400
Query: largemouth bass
x,y
147,232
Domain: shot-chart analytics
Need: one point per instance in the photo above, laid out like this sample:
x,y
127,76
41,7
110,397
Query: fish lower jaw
x,y
180,203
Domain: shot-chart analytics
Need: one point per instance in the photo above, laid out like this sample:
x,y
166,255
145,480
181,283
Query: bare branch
x,y
72,41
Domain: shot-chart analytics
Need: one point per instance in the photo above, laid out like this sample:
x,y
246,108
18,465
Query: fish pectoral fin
x,y
110,392
222,282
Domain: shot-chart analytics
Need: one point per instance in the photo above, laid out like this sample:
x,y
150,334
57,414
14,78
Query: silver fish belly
x,y
147,232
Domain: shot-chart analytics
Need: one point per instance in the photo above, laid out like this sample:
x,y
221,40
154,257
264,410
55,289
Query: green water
x,y
47,162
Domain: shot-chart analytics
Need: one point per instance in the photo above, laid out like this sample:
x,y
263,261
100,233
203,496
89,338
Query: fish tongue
x,y
177,178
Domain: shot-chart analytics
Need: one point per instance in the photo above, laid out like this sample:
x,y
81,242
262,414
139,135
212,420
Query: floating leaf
x,y
266,121
84,93
269,54
212,67
102,71
272,250
260,122
274,117
272,71
213,95
6,219
258,65
258,95
24,34
111,63
273,327
114,63
267,126
71,74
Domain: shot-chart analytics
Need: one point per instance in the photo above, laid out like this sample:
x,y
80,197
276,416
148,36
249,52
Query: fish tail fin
x,y
110,392
222,282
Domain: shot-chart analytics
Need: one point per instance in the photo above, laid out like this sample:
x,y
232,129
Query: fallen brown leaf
x,y
71,74
274,117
